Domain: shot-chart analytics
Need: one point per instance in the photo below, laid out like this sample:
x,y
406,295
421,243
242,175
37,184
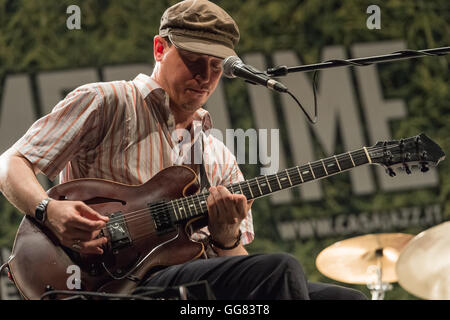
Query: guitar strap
x,y
199,168
204,182
204,186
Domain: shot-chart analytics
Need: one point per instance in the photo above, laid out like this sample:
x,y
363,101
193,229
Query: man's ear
x,y
159,47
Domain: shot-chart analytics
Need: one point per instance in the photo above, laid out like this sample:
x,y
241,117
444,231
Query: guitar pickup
x,y
118,231
161,218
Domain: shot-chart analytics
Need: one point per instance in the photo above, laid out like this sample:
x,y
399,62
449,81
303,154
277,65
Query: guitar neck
x,y
195,206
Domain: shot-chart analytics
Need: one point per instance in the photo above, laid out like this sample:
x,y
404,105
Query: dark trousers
x,y
259,276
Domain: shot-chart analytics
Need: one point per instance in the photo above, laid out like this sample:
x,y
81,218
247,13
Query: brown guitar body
x,y
38,261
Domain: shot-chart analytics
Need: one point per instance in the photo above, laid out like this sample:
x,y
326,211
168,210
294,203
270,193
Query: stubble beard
x,y
191,107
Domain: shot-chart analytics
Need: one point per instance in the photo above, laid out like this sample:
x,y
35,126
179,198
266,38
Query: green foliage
x,y
34,38
10,219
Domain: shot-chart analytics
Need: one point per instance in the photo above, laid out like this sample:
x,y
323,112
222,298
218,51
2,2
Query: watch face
x,y
39,214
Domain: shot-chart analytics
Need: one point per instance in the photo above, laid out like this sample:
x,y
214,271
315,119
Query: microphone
x,y
234,67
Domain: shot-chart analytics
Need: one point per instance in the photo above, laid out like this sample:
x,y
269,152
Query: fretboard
x,y
194,206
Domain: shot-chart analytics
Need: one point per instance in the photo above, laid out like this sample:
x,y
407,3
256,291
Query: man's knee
x,y
280,276
284,260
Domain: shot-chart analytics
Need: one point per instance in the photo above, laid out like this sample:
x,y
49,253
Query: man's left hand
x,y
226,212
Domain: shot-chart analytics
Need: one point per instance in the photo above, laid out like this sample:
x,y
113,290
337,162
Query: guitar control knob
x,y
405,166
424,167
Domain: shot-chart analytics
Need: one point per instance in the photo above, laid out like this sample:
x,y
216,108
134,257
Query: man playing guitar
x,y
123,131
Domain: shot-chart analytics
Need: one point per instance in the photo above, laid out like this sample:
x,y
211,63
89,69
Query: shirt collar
x,y
146,85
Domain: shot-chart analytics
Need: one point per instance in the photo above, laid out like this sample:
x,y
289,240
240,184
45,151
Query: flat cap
x,y
200,26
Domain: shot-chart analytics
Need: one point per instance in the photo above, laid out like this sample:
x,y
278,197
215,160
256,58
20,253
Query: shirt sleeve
x,y
52,141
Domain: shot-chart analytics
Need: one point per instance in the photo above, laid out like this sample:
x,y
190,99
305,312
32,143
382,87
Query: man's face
x,y
189,78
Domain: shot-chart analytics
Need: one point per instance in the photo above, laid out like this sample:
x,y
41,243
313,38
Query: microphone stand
x,y
399,55
358,62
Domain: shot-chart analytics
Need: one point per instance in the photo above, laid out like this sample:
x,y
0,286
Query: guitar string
x,y
255,183
251,183
139,234
143,231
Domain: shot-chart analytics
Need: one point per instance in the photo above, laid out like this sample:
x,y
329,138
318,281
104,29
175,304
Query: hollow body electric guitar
x,y
149,224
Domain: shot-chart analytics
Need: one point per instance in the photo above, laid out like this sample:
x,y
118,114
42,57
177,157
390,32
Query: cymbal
x,y
423,267
355,260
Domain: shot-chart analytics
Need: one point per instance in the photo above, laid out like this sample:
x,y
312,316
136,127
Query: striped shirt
x,y
123,131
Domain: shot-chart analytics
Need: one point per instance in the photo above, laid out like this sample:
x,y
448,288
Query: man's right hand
x,y
72,222
75,223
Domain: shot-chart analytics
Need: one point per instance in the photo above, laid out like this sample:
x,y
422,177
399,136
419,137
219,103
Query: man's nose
x,y
203,73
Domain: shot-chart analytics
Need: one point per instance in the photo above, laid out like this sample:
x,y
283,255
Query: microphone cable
x,y
256,71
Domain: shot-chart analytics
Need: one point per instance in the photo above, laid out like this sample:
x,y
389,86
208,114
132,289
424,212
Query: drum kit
x,y
420,264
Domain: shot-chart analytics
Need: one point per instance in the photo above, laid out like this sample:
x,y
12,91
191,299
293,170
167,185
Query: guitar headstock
x,y
419,151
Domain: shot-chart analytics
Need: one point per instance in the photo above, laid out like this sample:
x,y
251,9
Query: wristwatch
x,y
40,214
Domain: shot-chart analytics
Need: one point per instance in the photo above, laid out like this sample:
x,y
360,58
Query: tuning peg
x,y
407,156
390,172
405,166
424,155
424,167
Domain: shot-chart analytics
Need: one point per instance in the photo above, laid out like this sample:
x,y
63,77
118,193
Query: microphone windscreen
x,y
228,65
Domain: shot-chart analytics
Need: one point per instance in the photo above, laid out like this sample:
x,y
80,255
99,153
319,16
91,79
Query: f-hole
x,y
97,200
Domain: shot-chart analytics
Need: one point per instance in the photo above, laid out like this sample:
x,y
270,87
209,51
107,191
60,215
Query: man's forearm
x,y
18,182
